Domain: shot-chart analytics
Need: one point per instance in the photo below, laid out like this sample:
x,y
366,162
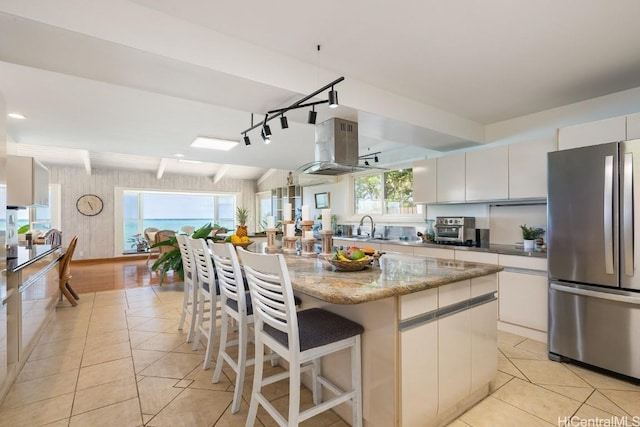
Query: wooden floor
x,y
121,273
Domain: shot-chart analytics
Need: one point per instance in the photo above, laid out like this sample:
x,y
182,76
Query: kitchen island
x,y
429,350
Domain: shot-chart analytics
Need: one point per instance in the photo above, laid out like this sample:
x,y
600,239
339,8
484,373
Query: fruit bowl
x,y
358,265
243,245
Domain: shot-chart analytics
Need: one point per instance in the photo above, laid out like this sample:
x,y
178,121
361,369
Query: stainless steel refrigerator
x,y
593,233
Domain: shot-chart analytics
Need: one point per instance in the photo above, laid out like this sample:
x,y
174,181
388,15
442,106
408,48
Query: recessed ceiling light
x,y
213,143
16,116
195,162
179,155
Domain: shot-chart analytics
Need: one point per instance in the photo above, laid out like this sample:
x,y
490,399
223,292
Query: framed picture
x,y
322,200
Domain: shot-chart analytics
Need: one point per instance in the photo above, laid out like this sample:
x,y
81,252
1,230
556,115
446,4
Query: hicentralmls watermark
x,y
576,421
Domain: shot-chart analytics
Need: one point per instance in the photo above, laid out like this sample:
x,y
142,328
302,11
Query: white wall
x,y
96,235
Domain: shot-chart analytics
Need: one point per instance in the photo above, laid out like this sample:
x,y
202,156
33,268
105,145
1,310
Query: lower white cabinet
x,y
522,294
484,354
454,362
434,252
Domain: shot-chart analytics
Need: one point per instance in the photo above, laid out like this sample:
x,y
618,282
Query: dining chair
x,y
188,229
208,291
150,236
301,338
161,236
53,237
190,292
64,274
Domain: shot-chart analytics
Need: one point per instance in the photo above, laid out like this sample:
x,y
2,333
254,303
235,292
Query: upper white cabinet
x,y
451,178
425,177
633,126
528,168
593,133
27,182
487,174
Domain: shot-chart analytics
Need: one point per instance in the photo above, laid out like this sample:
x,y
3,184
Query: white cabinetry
x,y
633,126
528,168
434,252
27,182
451,178
425,181
483,257
593,133
487,174
522,296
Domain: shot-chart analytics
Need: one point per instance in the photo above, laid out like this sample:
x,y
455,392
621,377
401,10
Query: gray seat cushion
x,y
205,286
317,327
234,304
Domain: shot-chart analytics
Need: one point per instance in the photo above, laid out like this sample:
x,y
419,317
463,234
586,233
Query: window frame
x,y
419,216
119,220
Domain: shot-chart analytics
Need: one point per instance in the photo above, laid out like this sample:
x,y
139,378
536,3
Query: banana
x,y
341,257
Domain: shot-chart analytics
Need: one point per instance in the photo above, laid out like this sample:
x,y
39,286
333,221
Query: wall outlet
x,y
81,253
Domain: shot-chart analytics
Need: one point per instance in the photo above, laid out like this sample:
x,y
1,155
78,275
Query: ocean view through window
x,y
173,210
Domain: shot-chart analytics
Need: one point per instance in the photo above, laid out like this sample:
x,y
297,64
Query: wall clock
x,y
89,205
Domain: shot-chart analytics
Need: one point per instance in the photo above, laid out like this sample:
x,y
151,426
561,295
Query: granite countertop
x,y
28,255
493,248
396,275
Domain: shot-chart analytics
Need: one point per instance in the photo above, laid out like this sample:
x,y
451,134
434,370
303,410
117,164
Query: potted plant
x,y
172,260
529,236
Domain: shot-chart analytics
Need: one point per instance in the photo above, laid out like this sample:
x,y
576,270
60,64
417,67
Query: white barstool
x,y
235,303
301,338
190,294
207,297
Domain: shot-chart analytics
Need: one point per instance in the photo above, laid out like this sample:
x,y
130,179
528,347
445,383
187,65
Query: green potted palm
x,y
529,236
172,260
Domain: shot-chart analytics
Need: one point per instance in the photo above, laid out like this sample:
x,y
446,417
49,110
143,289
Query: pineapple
x,y
242,214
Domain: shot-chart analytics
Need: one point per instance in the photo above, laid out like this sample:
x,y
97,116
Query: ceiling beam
x,y
266,175
223,170
161,167
86,159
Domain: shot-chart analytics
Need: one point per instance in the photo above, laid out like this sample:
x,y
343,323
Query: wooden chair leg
x,y
67,294
71,290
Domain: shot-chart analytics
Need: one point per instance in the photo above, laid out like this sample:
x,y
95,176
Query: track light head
x,y
333,98
266,138
376,158
246,139
284,123
267,130
366,162
312,116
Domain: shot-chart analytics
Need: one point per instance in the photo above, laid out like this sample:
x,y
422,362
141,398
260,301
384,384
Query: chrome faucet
x,y
373,227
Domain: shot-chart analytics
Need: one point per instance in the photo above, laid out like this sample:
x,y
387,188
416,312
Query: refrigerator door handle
x,y
595,294
627,214
608,214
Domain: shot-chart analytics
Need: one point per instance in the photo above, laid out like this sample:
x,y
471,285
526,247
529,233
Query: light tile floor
x,y
117,359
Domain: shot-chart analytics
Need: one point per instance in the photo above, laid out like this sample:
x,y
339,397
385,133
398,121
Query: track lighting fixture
x,y
333,98
370,156
302,103
312,116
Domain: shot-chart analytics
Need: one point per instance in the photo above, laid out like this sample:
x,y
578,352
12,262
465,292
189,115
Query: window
x,y
385,193
172,211
263,202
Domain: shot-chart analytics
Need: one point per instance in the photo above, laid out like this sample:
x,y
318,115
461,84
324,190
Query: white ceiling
x,y
127,83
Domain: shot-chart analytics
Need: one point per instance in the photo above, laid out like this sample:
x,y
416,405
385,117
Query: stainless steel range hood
x,y
336,149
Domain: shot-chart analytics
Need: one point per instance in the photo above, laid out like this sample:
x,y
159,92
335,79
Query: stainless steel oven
x,y
460,229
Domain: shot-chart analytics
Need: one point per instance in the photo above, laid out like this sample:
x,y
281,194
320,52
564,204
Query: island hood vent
x,y
336,149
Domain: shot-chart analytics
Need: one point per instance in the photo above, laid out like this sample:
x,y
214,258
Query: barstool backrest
x,y
229,274
271,294
188,265
202,260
